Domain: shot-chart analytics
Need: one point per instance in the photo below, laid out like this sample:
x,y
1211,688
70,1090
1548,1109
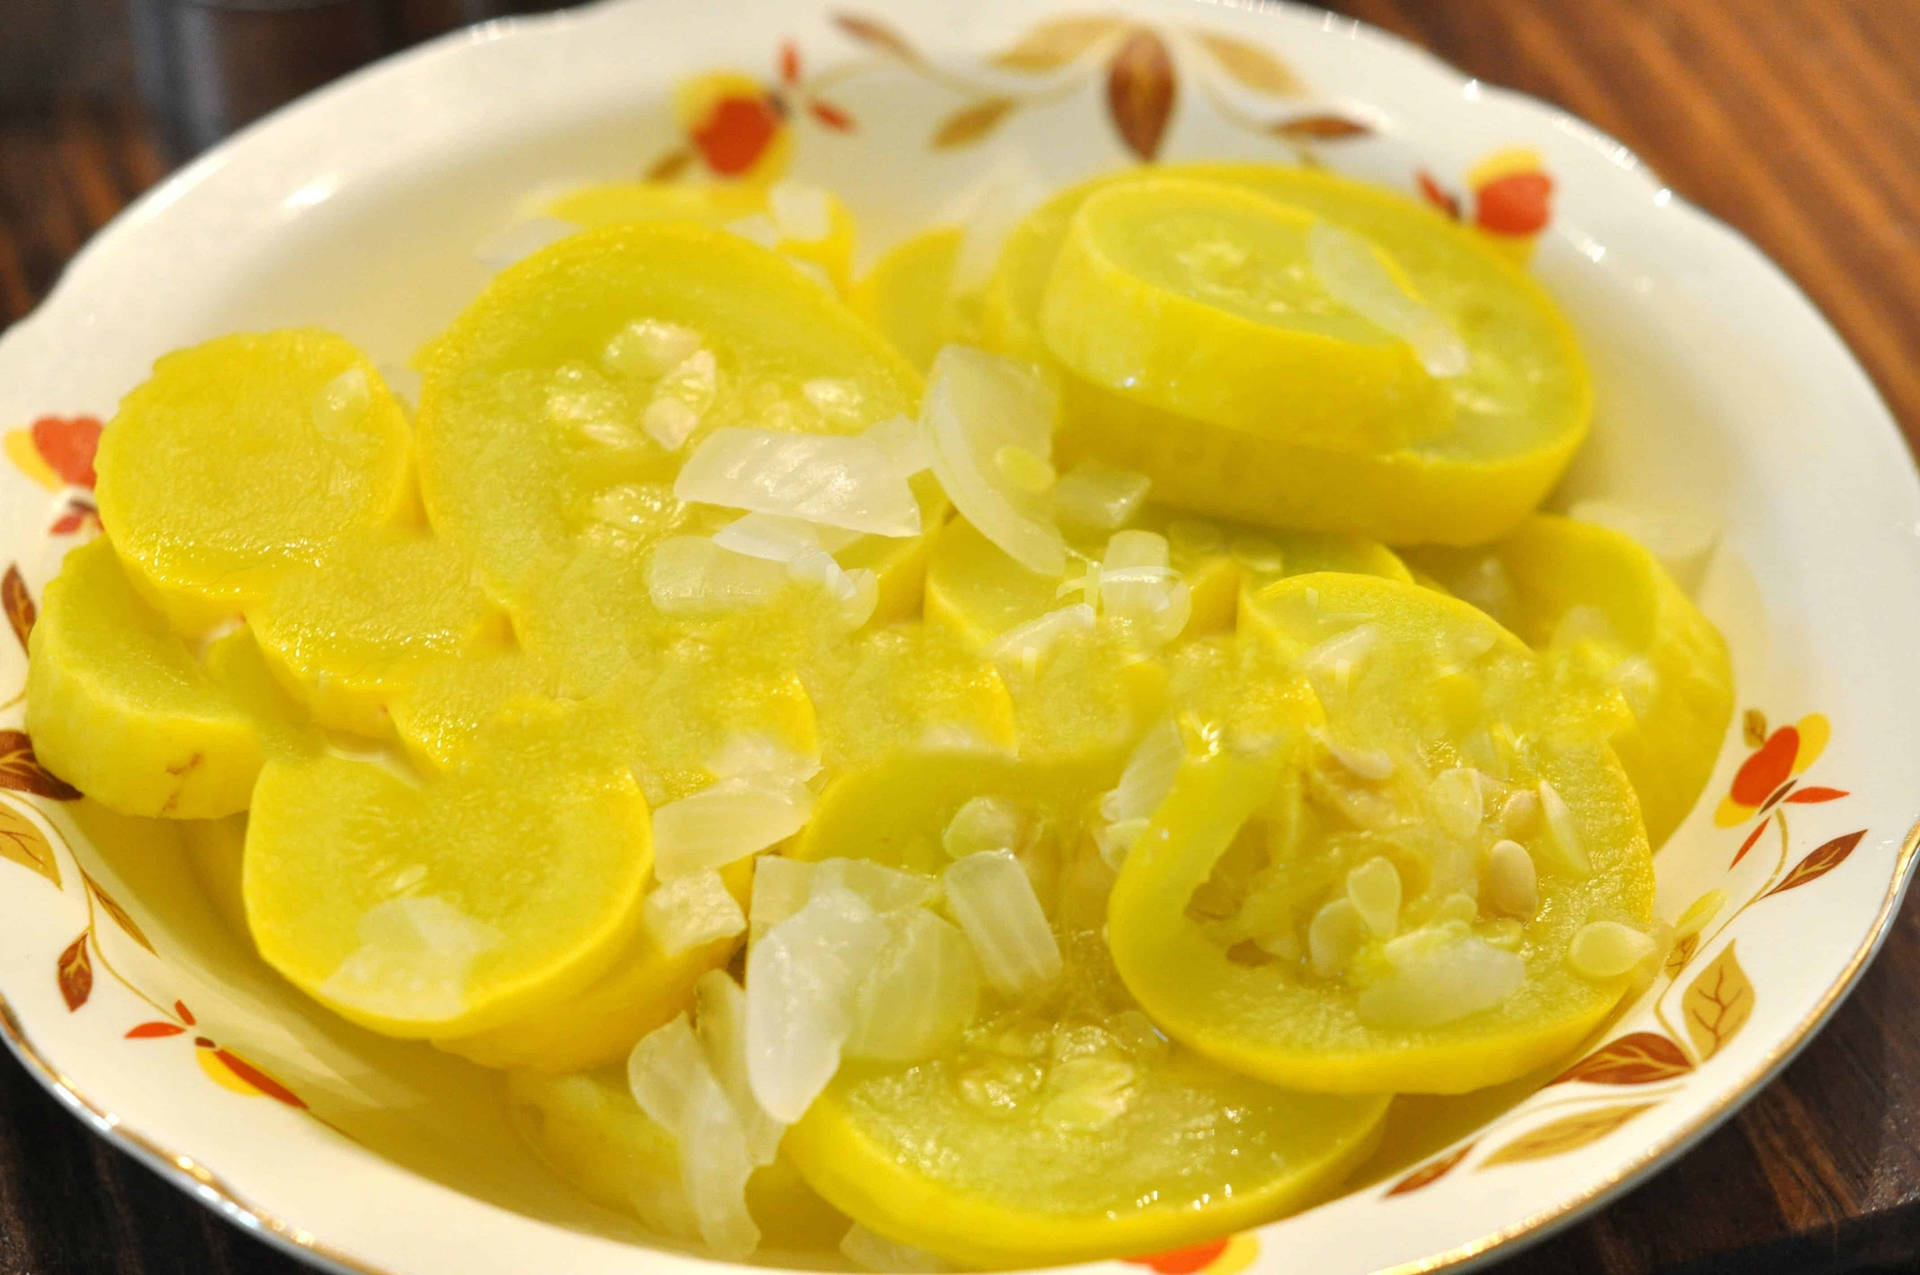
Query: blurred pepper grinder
x,y
207,67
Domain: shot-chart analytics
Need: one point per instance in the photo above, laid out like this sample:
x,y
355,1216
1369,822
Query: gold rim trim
x,y
210,1187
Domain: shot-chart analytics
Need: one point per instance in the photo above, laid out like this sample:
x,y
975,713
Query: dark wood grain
x,y
1794,120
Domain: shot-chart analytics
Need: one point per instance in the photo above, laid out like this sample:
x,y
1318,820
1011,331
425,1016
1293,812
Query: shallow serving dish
x,y
1722,393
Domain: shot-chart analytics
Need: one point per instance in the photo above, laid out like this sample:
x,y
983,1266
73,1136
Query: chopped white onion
x,y
1355,276
779,539
756,228
1025,645
1332,664
906,441
342,402
837,480
991,897
690,910
1148,776
780,888
649,348
801,979
870,1252
720,1021
1116,840
755,753
1140,588
1682,540
976,404
854,594
674,1084
1370,764
1437,976
415,954
884,889
1096,497
920,994
983,823
730,820
691,575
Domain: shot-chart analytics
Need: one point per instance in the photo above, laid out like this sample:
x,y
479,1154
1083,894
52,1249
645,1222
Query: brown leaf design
x,y
970,124
1717,1004
876,34
1638,1058
1819,863
1753,726
1140,92
75,972
1568,1133
1250,66
26,845
669,165
1430,1172
1680,953
1054,43
18,603
1322,127
21,771
119,914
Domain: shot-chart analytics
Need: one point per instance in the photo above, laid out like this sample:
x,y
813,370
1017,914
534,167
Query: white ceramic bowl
x,y
1721,391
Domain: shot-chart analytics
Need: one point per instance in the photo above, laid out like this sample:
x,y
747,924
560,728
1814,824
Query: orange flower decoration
x,y
56,451
224,1067
1511,194
1768,779
1223,1256
738,126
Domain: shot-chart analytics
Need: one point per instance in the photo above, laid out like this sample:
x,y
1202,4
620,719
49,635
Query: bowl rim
x,y
209,1187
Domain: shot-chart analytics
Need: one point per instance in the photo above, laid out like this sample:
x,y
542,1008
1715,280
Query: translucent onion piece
x,y
1439,976
801,210
1148,776
870,1252
1608,949
342,402
1096,497
1369,764
649,348
1683,541
691,575
755,228
1115,840
846,481
1355,276
730,820
681,399
884,889
720,1021
983,823
921,993
1138,587
778,539
780,888
672,1081
688,911
854,594
414,958
992,899
1332,665
753,753
906,441
976,404
1025,645
801,979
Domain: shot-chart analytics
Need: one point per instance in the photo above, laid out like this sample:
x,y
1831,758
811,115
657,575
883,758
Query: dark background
x,y
1798,121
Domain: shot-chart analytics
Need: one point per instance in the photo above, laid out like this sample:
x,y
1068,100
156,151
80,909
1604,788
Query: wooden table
x,y
1794,120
